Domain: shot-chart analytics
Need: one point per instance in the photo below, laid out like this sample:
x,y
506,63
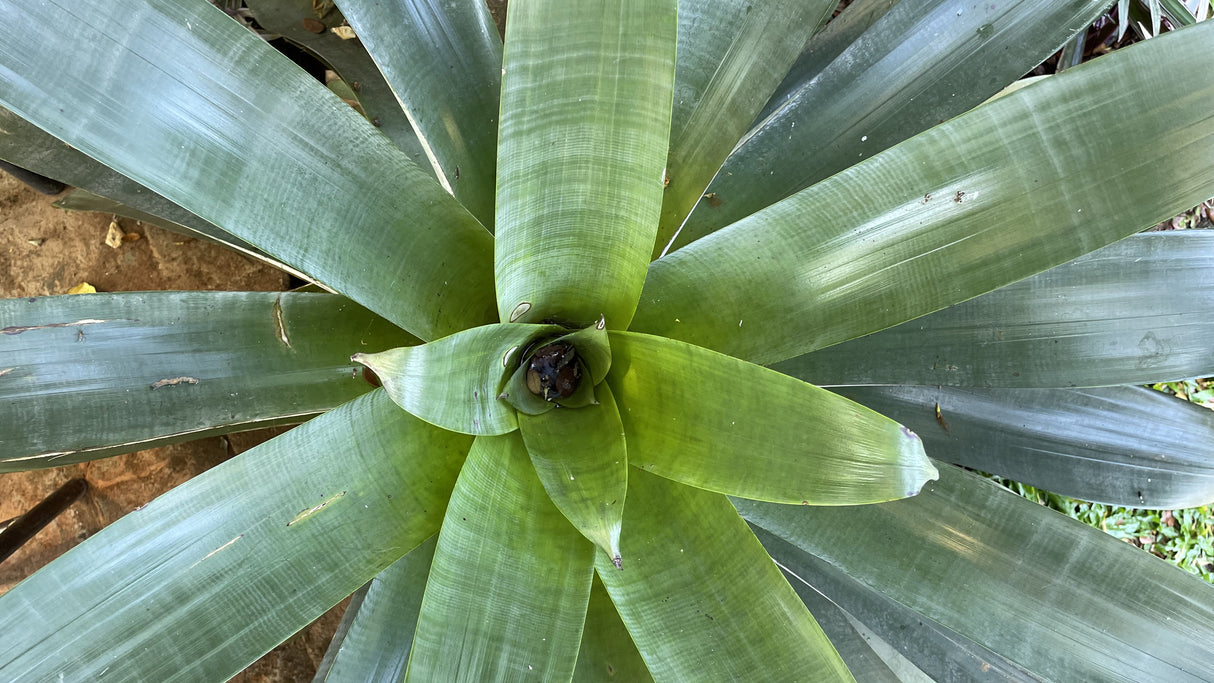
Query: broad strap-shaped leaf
x,y
24,144
580,456
608,653
507,593
237,559
731,56
444,62
924,62
586,97
77,199
1128,446
455,382
343,627
715,422
349,58
702,599
1012,188
190,104
825,46
1134,312
853,643
377,636
966,550
938,652
93,375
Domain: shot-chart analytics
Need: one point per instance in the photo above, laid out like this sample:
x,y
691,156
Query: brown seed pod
x,y
553,372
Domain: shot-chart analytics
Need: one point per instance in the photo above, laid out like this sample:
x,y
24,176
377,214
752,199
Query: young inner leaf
x,y
582,460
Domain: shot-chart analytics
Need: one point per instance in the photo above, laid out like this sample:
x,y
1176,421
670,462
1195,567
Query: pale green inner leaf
x,y
708,420
507,593
586,98
455,382
581,458
699,594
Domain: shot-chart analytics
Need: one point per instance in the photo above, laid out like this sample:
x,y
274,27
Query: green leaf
x,y
508,589
1128,446
594,348
27,146
607,653
940,653
375,645
455,382
519,395
183,100
1072,603
348,58
586,97
825,46
1134,312
82,200
343,628
732,55
726,425
699,594
420,47
237,559
921,64
855,647
1178,13
1019,185
94,375
580,457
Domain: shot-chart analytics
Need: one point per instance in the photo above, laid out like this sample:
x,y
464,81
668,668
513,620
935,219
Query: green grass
x,y
1183,537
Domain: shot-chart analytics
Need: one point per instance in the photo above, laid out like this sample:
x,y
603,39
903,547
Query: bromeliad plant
x,y
540,488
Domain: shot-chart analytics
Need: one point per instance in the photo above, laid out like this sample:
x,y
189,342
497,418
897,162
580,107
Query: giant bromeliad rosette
x,y
596,307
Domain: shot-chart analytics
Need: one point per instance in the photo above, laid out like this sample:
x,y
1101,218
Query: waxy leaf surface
x,y
507,593
715,422
586,97
239,558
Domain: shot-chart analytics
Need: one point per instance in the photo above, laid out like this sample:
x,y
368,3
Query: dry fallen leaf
x,y
113,236
83,288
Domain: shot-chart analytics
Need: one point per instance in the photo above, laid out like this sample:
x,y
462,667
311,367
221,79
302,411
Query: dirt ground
x,y
46,251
